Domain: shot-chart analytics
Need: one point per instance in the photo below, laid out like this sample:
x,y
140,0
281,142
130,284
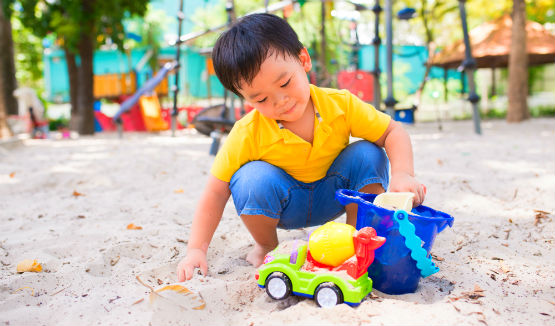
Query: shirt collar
x,y
271,131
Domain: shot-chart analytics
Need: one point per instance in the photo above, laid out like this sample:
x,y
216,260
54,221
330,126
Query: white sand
x,y
491,184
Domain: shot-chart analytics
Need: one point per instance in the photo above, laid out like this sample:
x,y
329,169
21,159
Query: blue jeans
x,y
259,188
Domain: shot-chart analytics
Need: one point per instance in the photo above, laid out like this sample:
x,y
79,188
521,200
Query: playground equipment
x,y
150,106
114,85
410,234
152,114
299,268
217,120
31,112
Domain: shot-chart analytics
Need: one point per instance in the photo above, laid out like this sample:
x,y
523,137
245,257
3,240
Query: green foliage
x,y
543,111
28,56
208,17
306,23
435,90
59,123
7,8
151,28
541,11
69,19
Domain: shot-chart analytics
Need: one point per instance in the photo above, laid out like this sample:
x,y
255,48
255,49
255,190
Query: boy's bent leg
x,y
361,166
263,195
263,231
262,189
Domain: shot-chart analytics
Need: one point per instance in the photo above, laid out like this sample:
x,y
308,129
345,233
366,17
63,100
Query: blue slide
x,y
148,86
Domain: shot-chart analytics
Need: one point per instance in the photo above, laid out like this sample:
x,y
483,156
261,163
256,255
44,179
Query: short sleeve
x,y
364,120
236,151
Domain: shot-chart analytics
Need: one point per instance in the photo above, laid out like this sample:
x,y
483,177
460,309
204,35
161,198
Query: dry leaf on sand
x,y
176,294
29,265
132,226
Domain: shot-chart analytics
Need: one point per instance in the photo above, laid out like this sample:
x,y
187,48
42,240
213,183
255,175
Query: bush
x,y
496,113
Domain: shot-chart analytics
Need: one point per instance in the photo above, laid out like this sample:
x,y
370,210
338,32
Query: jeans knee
x,y
253,176
365,151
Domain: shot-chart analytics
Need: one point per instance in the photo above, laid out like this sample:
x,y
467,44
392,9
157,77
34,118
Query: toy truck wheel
x,y
278,286
328,295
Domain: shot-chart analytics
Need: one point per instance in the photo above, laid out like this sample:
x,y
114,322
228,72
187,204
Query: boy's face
x,y
280,90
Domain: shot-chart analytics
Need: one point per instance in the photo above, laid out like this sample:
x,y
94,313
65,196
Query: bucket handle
x,y
414,243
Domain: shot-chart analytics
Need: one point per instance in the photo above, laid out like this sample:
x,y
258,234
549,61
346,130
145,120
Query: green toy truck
x,y
290,269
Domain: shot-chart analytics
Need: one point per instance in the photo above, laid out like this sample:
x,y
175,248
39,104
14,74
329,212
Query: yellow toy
x,y
332,243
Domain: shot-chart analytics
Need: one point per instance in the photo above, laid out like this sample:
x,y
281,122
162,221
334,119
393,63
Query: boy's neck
x,y
304,127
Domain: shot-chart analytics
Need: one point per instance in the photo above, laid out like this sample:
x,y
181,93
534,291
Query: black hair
x,y
240,51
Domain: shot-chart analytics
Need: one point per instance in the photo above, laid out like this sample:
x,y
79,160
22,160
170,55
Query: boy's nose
x,y
281,100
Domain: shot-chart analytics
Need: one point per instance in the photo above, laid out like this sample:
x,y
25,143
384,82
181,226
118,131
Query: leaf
x,y
12,174
77,194
132,226
29,265
179,191
539,216
178,295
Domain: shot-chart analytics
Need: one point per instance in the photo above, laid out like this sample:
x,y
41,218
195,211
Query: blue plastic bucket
x,y
393,270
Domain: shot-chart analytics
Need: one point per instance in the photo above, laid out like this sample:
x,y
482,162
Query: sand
x,y
67,203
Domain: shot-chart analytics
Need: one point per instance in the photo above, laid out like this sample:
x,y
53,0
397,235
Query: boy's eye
x,y
287,83
262,100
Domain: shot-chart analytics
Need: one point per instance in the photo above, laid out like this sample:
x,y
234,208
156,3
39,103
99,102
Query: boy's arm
x,y
207,217
396,142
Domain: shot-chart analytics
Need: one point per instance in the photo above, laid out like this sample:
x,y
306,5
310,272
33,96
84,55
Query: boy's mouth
x,y
288,110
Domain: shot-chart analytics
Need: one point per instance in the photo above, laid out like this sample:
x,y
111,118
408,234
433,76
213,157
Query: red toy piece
x,y
365,242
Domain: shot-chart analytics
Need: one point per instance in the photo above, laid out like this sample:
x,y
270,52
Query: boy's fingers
x,y
180,277
188,272
204,268
181,274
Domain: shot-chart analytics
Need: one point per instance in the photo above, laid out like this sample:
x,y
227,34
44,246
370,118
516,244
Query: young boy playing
x,y
283,162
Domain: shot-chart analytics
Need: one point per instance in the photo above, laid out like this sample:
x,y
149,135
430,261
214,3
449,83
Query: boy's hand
x,y
402,182
195,258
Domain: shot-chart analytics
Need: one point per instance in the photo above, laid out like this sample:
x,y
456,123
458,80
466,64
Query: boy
x,y
284,161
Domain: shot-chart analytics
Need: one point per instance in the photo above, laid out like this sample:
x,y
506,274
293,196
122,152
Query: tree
x,y
431,15
79,24
518,66
8,104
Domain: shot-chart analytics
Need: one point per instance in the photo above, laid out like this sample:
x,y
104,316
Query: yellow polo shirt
x,y
257,138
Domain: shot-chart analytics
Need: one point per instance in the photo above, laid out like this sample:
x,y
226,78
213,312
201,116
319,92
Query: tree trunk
x,y
85,97
8,83
73,93
518,66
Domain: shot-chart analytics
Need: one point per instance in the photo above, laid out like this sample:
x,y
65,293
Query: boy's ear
x,y
306,62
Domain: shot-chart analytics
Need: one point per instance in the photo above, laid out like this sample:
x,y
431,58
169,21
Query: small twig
x,y
25,287
138,301
176,253
114,299
53,294
144,284
114,261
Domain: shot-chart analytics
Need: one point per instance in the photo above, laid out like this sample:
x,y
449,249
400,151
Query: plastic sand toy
x,y
410,234
292,269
